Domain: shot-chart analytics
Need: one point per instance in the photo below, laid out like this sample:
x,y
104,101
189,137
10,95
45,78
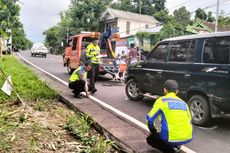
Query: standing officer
x,y
78,80
92,52
176,127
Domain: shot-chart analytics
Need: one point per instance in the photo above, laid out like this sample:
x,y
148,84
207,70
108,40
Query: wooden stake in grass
x,y
19,98
1,48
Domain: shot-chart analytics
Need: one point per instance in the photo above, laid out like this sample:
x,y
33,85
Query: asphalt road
x,y
215,139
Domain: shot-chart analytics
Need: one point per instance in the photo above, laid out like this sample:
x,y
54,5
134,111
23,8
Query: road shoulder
x,y
128,137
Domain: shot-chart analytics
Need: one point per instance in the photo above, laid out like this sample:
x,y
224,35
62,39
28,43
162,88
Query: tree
x,y
182,16
85,14
9,19
53,38
210,17
19,38
148,7
164,17
201,14
159,4
82,15
125,5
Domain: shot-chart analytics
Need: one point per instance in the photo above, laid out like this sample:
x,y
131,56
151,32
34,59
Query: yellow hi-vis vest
x,y
176,127
75,74
92,52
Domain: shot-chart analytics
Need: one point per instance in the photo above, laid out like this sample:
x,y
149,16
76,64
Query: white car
x,y
39,49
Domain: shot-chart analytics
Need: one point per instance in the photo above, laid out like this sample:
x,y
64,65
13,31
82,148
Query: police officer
x,y
92,52
173,113
78,80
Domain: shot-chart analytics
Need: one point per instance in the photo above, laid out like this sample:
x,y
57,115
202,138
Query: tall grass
x,y
25,82
79,125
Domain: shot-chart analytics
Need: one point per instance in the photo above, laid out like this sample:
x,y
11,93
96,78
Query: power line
x,y
207,7
180,4
210,6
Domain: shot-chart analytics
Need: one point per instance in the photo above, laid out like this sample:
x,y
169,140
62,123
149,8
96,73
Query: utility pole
x,y
217,15
67,35
140,6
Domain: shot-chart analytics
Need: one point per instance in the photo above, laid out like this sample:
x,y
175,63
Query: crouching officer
x,y
173,113
78,80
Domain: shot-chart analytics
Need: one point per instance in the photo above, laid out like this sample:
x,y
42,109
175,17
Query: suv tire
x,y
200,110
132,90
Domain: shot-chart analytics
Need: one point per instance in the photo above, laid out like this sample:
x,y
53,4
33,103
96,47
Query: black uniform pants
x,y
156,142
93,74
77,86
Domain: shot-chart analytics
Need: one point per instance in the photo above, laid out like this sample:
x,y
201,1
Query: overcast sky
x,y
38,15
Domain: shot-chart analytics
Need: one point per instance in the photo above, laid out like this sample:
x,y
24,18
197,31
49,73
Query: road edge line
x,y
118,112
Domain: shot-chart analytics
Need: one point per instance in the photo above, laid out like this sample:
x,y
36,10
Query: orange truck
x,y
74,53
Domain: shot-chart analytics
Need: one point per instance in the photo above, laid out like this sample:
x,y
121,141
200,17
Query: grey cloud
x,y
38,15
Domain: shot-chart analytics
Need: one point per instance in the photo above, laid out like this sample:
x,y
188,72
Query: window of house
x,y
146,26
159,53
216,50
179,51
128,28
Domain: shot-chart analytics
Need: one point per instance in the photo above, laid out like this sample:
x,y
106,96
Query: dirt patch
x,y
40,127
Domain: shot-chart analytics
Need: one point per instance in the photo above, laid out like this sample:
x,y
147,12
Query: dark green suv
x,y
201,66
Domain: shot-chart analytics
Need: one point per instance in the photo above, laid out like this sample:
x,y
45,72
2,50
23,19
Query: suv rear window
x,y
159,53
216,50
181,52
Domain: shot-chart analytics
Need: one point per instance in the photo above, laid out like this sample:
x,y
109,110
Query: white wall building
x,y
127,23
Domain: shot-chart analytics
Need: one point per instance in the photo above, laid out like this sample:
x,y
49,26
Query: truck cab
x,y
74,53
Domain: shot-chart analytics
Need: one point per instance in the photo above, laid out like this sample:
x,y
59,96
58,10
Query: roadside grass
x,y
25,82
44,124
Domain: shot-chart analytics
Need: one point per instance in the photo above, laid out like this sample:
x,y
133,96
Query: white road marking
x,y
208,128
131,119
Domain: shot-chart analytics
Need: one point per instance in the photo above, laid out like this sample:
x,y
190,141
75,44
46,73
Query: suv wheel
x,y
132,90
200,110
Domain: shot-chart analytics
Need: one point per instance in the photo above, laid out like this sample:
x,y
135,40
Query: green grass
x,y
25,82
79,125
35,126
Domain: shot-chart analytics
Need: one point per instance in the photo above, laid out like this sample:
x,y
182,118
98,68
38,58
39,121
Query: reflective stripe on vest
x,y
75,77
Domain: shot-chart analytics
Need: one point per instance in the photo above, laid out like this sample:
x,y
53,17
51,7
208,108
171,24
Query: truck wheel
x,y
132,90
200,110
